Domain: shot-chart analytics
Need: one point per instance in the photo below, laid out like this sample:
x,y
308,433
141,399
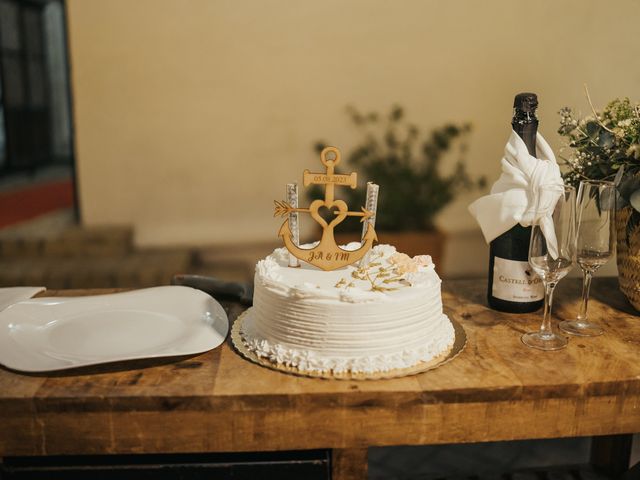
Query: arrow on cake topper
x,y
327,255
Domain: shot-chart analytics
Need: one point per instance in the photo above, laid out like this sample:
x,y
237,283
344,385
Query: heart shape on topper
x,y
328,214
328,208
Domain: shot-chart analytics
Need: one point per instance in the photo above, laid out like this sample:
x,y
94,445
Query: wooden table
x,y
497,389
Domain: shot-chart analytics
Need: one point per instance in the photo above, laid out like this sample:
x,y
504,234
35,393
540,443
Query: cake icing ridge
x,y
383,316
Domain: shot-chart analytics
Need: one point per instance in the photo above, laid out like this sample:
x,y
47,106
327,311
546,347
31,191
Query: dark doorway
x,y
35,114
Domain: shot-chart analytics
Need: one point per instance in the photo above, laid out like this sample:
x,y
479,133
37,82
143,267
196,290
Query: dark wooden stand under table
x,y
496,389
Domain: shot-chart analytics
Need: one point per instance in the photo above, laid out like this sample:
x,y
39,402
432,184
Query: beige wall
x,y
191,115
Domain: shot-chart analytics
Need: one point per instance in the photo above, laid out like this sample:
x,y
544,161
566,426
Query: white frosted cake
x,y
385,316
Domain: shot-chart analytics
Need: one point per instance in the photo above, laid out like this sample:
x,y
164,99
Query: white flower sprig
x,y
387,278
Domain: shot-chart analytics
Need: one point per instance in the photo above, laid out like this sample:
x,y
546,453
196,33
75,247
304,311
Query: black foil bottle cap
x,y
526,102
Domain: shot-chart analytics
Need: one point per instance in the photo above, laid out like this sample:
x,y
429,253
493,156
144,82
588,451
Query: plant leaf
x,y
628,186
618,177
634,200
621,202
606,139
592,129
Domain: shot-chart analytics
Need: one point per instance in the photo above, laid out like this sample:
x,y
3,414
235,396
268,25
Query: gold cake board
x,y
458,345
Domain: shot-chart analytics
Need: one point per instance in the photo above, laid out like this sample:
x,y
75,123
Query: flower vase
x,y
628,257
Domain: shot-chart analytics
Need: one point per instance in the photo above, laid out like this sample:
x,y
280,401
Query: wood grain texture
x,y
497,389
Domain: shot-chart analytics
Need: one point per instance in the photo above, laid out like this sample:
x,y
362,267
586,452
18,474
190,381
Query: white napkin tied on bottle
x,y
514,196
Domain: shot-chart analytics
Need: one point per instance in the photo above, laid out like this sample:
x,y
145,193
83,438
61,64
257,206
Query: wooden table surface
x,y
497,389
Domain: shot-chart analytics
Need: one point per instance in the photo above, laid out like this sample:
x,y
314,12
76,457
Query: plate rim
x,y
219,315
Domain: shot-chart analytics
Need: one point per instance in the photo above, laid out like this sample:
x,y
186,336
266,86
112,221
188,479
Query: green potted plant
x,y
413,190
605,145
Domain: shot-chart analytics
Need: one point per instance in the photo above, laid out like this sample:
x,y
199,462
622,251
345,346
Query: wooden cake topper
x,y
327,255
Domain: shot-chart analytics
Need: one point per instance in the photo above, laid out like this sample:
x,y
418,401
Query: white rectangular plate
x,y
11,295
45,334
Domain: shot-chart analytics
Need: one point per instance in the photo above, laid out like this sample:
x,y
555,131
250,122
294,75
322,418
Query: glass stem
x,y
586,285
545,329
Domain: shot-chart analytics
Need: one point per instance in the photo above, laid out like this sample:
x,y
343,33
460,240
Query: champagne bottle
x,y
513,286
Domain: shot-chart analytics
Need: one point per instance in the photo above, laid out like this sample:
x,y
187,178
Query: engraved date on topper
x,y
327,255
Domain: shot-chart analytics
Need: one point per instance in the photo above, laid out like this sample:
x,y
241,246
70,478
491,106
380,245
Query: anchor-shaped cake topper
x,y
327,255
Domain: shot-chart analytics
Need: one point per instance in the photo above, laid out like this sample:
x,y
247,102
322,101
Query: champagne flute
x,y
552,252
596,243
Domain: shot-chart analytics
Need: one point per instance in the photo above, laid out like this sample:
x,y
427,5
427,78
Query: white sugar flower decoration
x,y
423,260
403,263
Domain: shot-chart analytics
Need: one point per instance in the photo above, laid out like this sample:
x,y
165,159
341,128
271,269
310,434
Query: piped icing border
x,y
307,360
458,346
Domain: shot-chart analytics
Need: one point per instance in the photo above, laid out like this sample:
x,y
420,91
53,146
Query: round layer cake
x,y
383,316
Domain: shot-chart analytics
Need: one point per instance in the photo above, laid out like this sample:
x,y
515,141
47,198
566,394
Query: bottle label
x,y
515,281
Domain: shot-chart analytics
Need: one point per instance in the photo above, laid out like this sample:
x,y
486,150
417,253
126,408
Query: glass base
x,y
546,341
581,329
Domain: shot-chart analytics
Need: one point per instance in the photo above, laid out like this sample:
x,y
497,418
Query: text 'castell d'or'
x,y
327,255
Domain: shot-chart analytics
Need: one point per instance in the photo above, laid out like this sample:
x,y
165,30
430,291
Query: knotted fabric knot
x,y
515,195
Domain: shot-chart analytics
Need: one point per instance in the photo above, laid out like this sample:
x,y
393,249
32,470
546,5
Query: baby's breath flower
x,y
602,142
